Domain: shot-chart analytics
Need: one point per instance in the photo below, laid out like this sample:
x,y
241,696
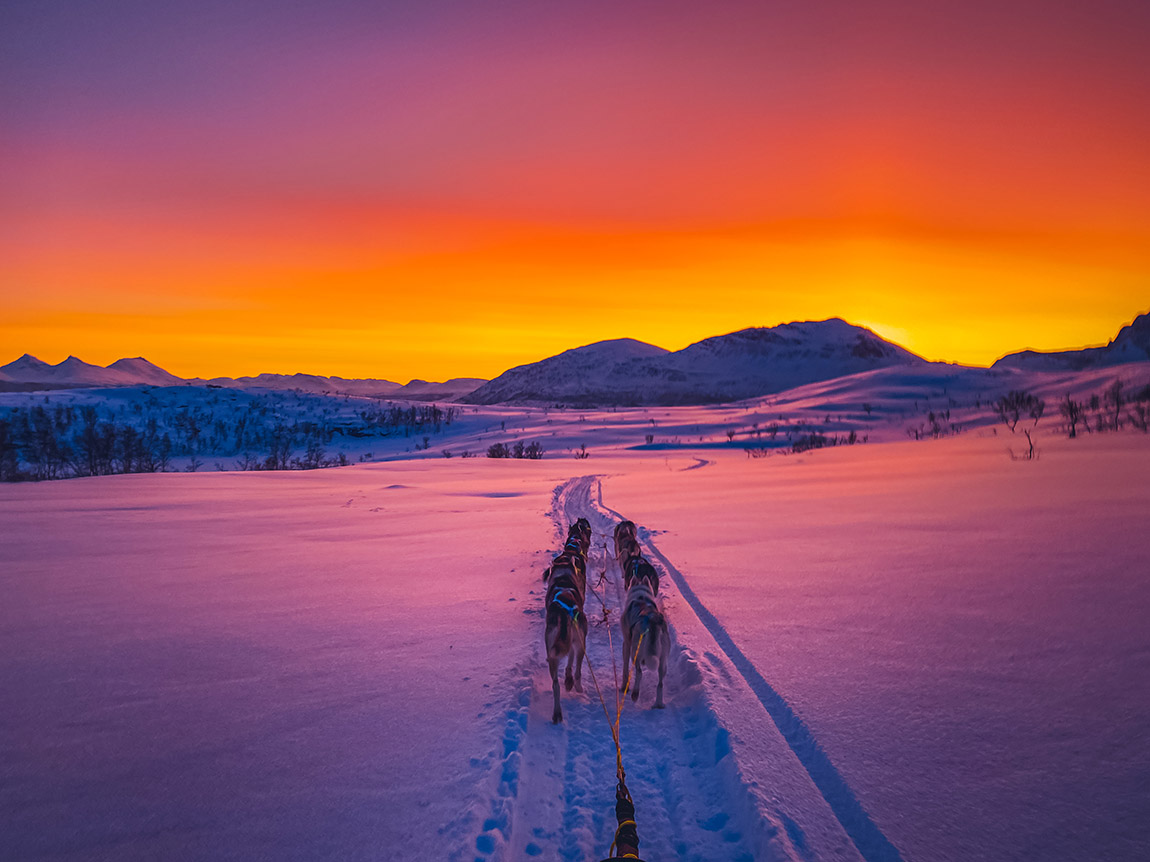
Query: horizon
x,y
431,191
396,379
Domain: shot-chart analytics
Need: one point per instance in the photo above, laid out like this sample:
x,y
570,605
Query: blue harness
x,y
571,609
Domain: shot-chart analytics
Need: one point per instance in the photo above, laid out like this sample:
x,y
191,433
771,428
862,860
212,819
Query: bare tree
x,y
1114,401
1012,406
1072,411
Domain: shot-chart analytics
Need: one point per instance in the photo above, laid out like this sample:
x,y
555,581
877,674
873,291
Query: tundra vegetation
x,y
273,431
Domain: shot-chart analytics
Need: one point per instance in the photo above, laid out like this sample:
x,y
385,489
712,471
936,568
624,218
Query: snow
x,y
253,665
963,635
1131,344
918,650
729,367
75,373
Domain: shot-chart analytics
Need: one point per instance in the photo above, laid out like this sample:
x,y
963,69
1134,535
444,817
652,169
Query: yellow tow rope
x,y
619,701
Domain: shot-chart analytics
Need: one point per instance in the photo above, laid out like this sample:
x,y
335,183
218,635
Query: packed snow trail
x,y
557,788
696,798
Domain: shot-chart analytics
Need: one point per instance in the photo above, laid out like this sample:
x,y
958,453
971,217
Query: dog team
x,y
645,636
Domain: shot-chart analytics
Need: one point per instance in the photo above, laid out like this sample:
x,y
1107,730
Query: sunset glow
x,y
438,190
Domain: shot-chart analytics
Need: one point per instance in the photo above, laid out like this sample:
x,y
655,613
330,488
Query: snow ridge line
x,y
868,839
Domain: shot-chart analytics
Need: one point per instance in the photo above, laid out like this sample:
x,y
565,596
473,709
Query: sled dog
x,y
581,532
624,530
565,633
639,570
645,638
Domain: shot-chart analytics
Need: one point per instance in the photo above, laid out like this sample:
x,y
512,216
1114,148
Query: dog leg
x,y
626,658
579,650
638,679
659,691
569,677
553,666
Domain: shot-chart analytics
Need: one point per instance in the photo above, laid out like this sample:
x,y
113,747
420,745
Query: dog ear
x,y
546,574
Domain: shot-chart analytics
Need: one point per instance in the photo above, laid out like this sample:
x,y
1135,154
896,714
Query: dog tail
x,y
654,628
557,634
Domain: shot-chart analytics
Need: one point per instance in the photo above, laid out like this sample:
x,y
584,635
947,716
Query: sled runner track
x,y
559,800
871,843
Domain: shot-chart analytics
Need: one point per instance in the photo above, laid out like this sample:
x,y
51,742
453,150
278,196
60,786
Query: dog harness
x,y
571,609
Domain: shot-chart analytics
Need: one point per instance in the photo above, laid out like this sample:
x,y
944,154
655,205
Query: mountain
x,y
76,373
724,368
313,383
449,390
415,390
24,367
1132,344
599,373
69,373
29,374
141,370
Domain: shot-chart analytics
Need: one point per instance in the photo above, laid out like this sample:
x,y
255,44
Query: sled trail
x,y
563,804
727,771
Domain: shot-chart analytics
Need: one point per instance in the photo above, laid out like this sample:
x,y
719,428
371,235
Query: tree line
x,y
62,441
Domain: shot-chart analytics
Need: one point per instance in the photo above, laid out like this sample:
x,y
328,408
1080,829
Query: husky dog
x,y
581,532
565,633
643,619
576,547
638,570
624,530
627,550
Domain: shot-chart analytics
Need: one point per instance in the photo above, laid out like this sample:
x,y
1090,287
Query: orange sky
x,y
426,192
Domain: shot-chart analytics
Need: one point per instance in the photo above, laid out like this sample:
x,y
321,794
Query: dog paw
x,y
635,696
579,686
557,718
569,683
659,706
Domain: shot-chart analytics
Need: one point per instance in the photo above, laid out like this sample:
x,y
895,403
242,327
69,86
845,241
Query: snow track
x,y
695,798
566,796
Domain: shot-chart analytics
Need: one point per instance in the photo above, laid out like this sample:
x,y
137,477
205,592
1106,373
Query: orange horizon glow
x,y
463,300
417,193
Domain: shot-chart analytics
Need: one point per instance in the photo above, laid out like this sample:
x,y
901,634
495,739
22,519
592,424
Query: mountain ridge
x,y
621,372
1131,344
743,364
28,373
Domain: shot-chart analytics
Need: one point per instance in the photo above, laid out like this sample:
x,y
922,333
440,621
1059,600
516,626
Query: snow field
x,y
960,636
920,650
702,790
260,665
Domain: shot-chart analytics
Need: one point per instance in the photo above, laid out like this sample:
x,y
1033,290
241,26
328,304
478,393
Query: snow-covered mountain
x,y
142,371
1132,344
71,372
28,372
730,367
415,390
599,373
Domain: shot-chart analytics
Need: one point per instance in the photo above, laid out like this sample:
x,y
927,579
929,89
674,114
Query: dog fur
x,y
639,569
643,619
624,530
565,633
629,549
581,530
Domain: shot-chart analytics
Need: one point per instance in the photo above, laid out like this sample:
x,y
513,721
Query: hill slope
x,y
730,367
1131,344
